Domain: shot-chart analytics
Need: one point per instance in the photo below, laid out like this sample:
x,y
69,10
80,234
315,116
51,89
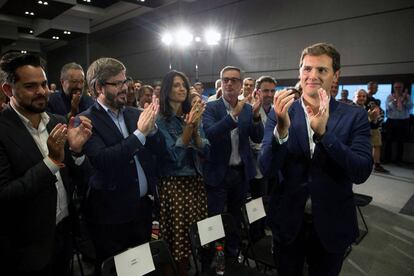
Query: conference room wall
x,y
261,37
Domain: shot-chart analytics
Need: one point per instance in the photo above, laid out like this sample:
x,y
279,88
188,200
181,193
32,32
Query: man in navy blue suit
x,y
321,148
228,124
71,100
121,150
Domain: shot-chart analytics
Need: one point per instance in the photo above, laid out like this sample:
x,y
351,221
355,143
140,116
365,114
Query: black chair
x,y
160,254
233,267
362,201
259,249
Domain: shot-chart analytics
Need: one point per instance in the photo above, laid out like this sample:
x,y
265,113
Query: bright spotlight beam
x,y
167,39
184,38
212,37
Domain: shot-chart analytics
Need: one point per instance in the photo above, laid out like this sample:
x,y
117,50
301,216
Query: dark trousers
x,y
62,253
112,239
231,192
397,130
307,246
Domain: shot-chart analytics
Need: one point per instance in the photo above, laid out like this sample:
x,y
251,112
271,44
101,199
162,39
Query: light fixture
x,y
183,38
23,51
87,1
31,31
67,32
167,39
212,37
42,3
197,39
55,37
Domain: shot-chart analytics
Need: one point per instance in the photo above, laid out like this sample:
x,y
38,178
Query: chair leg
x,y
363,232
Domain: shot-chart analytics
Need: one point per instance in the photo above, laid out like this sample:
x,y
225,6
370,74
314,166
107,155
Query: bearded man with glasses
x,y
124,141
71,100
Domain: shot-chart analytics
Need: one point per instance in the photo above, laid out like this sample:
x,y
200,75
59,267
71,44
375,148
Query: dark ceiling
x,y
33,25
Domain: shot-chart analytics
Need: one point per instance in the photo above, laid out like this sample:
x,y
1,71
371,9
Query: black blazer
x,y
113,193
28,195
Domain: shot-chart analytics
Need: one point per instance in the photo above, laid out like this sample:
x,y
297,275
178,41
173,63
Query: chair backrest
x,y
230,228
160,255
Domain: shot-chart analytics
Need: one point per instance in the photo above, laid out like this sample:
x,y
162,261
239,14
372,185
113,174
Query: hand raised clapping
x,y
146,121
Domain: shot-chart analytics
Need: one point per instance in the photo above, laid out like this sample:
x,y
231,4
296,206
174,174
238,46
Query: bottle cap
x,y
219,248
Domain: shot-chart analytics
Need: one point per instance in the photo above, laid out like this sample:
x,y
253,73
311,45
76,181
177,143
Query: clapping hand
x,y
281,104
56,143
319,120
146,121
77,136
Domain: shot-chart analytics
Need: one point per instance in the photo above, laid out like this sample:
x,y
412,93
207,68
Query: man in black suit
x,y
37,169
119,205
72,100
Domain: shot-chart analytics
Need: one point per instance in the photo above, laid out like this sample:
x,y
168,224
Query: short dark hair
x,y
10,62
166,87
228,68
263,79
319,49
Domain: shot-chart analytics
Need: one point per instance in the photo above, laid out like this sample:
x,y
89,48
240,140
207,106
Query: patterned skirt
x,y
183,202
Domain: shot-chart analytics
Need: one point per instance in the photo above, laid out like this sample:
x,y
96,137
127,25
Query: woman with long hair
x,y
183,199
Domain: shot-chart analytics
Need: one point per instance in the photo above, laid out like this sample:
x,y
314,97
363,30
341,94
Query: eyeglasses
x,y
117,84
233,80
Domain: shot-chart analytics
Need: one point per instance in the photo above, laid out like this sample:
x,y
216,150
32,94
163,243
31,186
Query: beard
x,y
114,101
38,105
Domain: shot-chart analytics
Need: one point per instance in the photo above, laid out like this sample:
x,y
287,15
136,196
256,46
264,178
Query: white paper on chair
x,y
255,209
210,229
135,261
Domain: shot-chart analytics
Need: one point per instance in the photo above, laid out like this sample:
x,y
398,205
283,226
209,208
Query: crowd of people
x,y
133,152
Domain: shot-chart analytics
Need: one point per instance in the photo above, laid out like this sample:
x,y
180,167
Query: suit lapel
x,y
130,121
21,136
299,127
104,118
334,114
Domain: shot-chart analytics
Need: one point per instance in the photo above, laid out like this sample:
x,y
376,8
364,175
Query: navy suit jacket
x,y
113,195
341,158
28,195
217,124
60,104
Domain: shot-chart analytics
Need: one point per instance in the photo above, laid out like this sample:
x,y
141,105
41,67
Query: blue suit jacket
x,y
217,125
113,194
60,104
341,158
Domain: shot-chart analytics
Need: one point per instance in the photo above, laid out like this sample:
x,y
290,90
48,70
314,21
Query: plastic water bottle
x,y
220,260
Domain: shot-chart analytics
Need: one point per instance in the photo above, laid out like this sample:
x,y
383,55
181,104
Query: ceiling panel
x,y
22,7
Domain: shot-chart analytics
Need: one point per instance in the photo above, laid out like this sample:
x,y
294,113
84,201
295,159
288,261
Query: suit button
x,y
136,179
131,161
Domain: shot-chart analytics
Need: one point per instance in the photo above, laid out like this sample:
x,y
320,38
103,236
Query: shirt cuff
x,y
51,165
279,140
141,137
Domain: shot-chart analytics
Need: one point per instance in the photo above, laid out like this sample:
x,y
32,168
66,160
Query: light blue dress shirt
x,y
119,121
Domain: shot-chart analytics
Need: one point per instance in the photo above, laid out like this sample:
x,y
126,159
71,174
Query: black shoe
x,y
380,169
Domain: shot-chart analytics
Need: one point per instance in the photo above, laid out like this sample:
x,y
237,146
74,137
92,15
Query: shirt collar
x,y
43,117
108,110
227,104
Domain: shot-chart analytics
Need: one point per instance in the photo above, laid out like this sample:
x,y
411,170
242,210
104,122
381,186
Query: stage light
x,y
167,39
183,38
212,37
